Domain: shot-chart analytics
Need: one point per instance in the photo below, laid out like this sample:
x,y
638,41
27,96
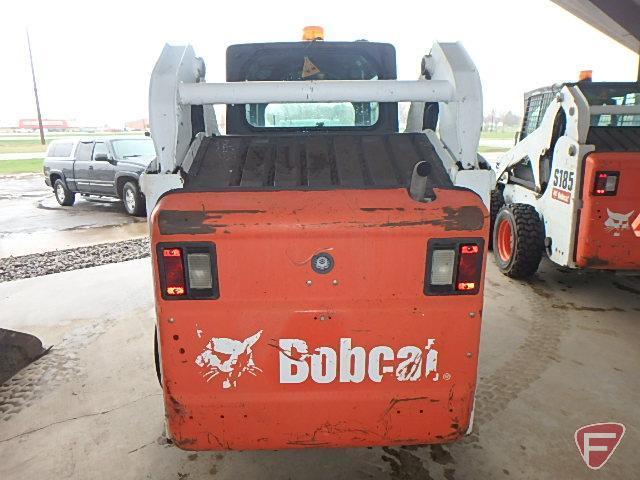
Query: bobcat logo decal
x,y
617,222
229,358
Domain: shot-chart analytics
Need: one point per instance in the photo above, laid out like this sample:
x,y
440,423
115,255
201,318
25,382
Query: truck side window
x,y
100,147
83,151
63,149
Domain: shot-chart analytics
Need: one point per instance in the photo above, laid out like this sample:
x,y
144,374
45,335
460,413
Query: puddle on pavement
x,y
15,244
31,221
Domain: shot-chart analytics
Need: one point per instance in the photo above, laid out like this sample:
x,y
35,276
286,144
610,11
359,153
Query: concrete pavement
x,y
557,353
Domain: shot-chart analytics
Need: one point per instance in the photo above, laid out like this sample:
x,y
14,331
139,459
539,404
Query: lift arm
x,y
450,79
178,83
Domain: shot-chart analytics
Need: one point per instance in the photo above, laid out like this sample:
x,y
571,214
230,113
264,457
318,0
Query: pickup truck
x,y
101,166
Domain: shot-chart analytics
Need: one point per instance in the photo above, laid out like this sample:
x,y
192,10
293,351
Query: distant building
x,y
47,124
141,124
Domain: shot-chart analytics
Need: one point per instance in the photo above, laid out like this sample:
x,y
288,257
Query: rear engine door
x,y
609,231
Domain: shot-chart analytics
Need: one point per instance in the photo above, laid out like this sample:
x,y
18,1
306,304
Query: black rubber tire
x,y
497,202
64,196
137,209
156,355
528,237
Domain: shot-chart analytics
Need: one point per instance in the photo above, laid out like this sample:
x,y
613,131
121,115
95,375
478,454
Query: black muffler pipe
x,y
418,188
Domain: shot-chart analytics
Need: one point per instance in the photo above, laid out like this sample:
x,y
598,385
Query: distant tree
x,y
510,119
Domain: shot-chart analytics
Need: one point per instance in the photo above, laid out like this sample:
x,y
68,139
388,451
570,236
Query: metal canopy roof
x,y
619,19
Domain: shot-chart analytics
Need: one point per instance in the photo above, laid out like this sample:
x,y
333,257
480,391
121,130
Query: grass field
x,y
31,165
484,149
31,143
502,135
21,145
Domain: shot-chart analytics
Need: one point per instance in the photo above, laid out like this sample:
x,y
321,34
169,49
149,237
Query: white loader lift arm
x,y
537,143
178,82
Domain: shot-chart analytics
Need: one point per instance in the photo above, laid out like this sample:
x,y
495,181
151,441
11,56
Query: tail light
x,y
174,284
606,183
469,268
454,267
188,271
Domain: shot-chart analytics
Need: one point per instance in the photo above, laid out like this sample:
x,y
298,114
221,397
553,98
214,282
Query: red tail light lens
x,y
188,271
454,267
174,283
469,268
606,183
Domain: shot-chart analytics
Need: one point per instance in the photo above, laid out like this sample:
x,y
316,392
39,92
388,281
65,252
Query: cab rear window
x,y
613,94
300,65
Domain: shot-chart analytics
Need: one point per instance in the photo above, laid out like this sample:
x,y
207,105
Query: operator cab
x,y
304,61
607,133
312,144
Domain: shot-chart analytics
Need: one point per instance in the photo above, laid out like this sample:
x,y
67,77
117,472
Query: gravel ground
x,y
35,265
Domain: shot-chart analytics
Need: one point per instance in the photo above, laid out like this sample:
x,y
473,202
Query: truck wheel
x,y
133,199
64,196
497,202
518,240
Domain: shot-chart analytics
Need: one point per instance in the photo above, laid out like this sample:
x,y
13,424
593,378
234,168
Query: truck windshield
x,y
134,148
613,94
319,65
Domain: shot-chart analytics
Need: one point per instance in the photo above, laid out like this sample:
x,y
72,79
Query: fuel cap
x,y
322,263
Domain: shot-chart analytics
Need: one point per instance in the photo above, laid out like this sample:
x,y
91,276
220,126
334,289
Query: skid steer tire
x,y
518,240
497,202
156,356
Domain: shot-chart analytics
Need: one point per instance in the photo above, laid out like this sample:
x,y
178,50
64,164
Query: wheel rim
x,y
129,200
60,193
505,240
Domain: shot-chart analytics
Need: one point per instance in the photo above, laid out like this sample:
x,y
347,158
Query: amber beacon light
x,y
311,33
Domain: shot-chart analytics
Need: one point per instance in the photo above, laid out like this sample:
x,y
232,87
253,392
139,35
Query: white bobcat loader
x,y
569,187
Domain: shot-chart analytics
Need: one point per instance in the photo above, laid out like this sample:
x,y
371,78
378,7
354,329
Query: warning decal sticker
x,y
309,69
561,195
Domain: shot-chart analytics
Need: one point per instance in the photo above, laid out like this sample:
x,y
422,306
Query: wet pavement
x,y
557,353
31,221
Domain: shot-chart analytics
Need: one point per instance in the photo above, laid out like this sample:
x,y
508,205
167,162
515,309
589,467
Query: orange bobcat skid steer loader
x,y
318,275
569,187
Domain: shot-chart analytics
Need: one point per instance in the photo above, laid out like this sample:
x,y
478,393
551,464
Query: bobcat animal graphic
x,y
617,222
229,358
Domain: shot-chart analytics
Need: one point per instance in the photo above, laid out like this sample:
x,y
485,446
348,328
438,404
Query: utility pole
x,y
35,90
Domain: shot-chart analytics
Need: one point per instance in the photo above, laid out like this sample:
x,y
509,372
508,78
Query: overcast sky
x,y
93,59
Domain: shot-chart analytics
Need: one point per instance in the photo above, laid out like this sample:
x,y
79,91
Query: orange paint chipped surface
x,y
287,357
